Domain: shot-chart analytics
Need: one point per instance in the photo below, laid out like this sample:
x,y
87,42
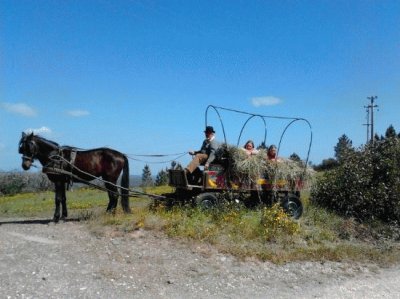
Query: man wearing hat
x,y
206,154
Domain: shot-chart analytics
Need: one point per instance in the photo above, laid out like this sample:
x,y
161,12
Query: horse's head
x,y
29,150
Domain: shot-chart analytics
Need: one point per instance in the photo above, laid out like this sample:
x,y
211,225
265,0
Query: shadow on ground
x,y
35,221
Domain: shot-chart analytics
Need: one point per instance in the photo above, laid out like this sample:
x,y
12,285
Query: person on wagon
x,y
249,148
272,153
206,154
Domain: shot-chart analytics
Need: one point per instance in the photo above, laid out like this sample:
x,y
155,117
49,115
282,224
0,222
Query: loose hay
x,y
247,170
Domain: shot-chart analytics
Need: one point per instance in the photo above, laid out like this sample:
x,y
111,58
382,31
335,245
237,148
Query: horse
x,y
64,165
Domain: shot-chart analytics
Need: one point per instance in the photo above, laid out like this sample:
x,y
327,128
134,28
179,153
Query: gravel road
x,y
40,259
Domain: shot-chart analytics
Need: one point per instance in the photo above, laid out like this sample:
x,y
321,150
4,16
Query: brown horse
x,y
67,164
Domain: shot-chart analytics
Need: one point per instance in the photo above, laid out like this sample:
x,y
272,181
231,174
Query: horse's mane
x,y
47,141
68,147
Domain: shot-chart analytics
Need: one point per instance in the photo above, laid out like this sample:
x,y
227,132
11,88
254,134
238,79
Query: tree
x,y
378,138
262,146
146,176
327,164
390,132
343,147
175,165
162,178
295,157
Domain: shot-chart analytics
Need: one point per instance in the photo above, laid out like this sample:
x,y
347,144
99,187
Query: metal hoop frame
x,y
291,120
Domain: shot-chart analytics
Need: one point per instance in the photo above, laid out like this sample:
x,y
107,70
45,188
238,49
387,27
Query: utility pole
x,y
371,107
367,124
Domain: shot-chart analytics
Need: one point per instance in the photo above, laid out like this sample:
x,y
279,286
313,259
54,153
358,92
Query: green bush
x,y
365,185
12,183
16,182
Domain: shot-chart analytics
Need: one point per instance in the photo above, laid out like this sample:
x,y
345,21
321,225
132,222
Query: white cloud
x,y
41,131
78,113
19,108
265,101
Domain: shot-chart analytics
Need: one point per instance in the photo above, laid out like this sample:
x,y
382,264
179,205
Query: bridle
x,y
32,150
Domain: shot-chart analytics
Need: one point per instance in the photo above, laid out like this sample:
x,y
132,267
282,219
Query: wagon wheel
x,y
292,206
206,200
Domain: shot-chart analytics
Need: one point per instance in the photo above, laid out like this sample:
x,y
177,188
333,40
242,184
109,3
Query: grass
x,y
42,203
264,233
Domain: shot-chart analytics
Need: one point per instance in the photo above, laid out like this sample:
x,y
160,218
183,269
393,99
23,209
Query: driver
x,y
206,154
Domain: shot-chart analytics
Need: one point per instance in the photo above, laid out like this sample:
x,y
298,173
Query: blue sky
x,y
137,76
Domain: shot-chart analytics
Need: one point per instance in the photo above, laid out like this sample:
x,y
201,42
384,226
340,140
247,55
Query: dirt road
x,y
39,259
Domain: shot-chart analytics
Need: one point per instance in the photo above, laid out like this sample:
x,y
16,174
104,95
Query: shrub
x,y
16,182
275,222
12,183
365,185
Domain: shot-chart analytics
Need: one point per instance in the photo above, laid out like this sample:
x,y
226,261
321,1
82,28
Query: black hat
x,y
209,129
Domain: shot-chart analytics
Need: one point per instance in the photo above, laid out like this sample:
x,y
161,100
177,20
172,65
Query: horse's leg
x,y
64,204
125,186
112,196
59,191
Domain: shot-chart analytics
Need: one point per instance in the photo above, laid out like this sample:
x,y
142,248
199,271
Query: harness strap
x,y
73,157
132,193
72,163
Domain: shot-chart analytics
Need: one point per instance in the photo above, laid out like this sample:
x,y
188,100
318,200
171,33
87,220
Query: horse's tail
x,y
125,186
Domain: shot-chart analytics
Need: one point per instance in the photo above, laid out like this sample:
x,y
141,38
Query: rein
x,y
159,155
132,193
27,158
178,155
30,159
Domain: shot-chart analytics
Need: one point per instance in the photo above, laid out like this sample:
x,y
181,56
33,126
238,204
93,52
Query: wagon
x,y
222,182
